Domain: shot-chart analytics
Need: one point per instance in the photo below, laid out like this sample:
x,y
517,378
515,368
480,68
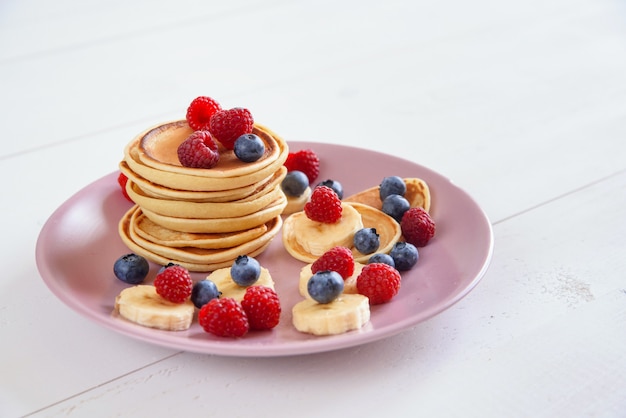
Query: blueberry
x,y
325,286
405,255
391,185
295,183
333,184
245,271
395,205
131,268
249,148
381,258
203,291
366,240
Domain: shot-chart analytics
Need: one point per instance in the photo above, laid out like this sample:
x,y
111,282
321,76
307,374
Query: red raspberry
x,y
198,151
417,226
323,206
224,317
305,160
122,180
339,259
228,125
262,306
200,111
174,284
379,282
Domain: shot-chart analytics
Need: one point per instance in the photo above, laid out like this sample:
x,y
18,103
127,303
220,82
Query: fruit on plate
x,y
305,160
229,288
131,268
379,282
346,313
262,307
224,317
349,283
142,304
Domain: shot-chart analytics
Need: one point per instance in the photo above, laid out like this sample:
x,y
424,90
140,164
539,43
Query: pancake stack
x,y
200,218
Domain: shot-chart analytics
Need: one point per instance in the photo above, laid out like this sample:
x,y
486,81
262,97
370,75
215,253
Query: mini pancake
x,y
417,193
387,228
221,224
152,232
203,210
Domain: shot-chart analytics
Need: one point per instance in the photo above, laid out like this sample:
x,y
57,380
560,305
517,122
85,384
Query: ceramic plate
x,y
79,243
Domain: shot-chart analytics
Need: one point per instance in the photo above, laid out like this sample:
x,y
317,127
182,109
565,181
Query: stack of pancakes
x,y
200,218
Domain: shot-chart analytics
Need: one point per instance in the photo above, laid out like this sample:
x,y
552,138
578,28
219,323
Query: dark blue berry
x,y
245,271
381,258
366,240
404,255
395,205
295,183
391,185
325,286
203,291
131,268
333,184
249,148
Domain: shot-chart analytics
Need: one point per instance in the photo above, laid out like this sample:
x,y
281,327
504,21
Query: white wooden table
x,y
522,104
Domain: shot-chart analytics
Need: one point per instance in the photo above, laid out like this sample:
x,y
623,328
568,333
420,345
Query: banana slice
x,y
349,284
228,288
294,235
417,193
296,203
143,305
346,313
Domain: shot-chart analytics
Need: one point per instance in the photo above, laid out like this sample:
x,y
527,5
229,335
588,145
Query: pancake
x,y
417,193
158,149
203,210
222,224
162,192
387,228
150,231
194,259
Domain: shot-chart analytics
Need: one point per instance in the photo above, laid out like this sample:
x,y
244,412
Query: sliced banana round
x,y
298,233
228,288
141,304
349,284
346,313
296,203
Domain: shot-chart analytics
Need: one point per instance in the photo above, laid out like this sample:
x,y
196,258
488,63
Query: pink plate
x,y
78,245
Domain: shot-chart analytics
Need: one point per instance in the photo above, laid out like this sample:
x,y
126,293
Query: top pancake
x,y
157,148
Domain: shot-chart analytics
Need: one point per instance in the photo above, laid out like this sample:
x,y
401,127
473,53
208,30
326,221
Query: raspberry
x,y
198,151
417,226
122,180
323,206
339,259
379,282
224,317
228,125
305,160
200,111
262,307
174,284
